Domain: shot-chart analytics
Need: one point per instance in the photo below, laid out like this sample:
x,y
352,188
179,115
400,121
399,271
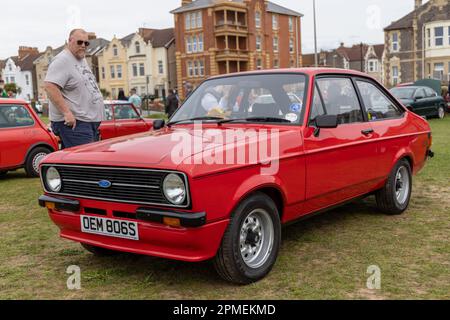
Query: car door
x,y
127,120
435,101
388,122
339,161
108,126
17,129
421,104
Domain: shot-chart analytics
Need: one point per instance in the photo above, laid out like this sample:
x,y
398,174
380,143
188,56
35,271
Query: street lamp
x,y
316,60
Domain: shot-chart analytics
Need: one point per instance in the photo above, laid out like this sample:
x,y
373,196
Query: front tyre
x,y
395,196
251,242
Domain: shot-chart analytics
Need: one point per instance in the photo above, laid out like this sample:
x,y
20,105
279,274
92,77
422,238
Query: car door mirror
x,y
158,124
326,122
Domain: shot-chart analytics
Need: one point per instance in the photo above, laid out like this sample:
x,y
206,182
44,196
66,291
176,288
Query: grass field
x,y
325,257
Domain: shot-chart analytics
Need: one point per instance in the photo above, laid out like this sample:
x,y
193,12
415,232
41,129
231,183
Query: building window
x,y
274,22
259,64
276,63
189,45
258,43
439,36
27,80
10,68
194,43
137,46
438,72
13,79
200,43
449,39
135,70
160,67
141,69
190,70
115,51
395,76
103,73
187,20
193,20
395,45
258,19
291,24
373,65
429,37
196,68
275,44
291,45
119,71
202,68
113,72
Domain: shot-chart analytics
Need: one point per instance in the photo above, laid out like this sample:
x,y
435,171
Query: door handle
x,y
367,132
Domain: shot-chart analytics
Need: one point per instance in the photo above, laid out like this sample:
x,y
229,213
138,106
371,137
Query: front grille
x,y
138,186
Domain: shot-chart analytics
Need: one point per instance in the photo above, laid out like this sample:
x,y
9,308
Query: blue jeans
x,y
84,133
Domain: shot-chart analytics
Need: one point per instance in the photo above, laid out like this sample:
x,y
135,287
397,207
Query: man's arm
x,y
55,96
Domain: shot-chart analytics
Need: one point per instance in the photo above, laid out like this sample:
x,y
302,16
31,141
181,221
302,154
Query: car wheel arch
x,y
38,145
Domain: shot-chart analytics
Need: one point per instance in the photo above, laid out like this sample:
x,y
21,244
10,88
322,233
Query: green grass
x,y
325,257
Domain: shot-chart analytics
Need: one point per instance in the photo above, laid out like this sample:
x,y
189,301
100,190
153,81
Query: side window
x,y
420,94
108,115
317,108
430,93
123,112
15,117
339,98
377,105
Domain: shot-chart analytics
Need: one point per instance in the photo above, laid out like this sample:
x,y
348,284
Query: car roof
x,y
12,101
412,87
307,71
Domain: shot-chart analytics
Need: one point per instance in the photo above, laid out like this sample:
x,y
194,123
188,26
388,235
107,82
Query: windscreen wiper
x,y
255,119
194,119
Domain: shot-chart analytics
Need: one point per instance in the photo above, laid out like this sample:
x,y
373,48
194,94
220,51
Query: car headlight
x,y
174,189
53,179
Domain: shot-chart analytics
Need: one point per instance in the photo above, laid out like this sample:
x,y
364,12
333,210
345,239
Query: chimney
x,y
185,2
92,36
24,51
417,4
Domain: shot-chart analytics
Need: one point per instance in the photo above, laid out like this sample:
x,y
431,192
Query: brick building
x,y
418,45
224,36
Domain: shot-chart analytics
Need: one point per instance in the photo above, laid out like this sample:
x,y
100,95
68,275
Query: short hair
x,y
76,30
133,90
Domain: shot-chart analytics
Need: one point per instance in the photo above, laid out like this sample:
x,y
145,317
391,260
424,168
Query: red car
x,y
120,119
24,138
229,170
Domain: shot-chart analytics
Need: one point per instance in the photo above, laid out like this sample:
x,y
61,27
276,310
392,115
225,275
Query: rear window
x,y
15,117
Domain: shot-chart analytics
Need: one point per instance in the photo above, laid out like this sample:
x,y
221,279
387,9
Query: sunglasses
x,y
81,42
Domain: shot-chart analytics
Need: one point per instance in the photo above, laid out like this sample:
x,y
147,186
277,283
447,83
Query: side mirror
x,y
327,122
158,124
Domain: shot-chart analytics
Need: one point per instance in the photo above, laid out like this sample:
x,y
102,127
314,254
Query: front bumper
x,y
194,241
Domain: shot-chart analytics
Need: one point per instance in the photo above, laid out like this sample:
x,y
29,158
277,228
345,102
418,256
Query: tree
x,y
105,93
13,88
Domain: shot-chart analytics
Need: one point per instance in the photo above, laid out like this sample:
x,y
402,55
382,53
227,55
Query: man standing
x,y
76,103
135,100
171,103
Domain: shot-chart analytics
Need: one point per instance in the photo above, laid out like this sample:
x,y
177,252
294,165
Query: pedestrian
x,y
75,101
122,96
171,103
135,100
188,88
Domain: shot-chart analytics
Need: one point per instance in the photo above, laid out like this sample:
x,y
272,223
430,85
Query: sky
x,y
42,23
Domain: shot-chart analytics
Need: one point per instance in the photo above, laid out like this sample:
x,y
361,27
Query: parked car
x,y
421,100
160,194
120,119
24,138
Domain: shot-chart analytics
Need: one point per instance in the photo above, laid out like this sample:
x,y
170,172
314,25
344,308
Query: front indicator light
x,y
172,222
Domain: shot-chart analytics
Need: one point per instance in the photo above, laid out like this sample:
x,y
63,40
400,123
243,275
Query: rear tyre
x,y
34,159
395,196
251,242
99,252
441,112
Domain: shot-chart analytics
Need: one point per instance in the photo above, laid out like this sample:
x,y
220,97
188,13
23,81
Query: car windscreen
x,y
403,93
249,98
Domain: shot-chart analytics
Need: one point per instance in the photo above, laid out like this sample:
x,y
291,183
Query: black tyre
x,y
34,158
441,112
395,196
251,242
99,252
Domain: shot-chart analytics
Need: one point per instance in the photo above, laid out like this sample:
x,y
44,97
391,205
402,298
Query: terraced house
x,y
418,45
224,36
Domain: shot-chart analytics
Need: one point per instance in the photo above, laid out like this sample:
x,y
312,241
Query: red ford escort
x,y
24,138
230,168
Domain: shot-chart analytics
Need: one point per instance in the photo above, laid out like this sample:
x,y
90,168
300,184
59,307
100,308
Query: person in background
x,y
135,100
171,103
76,103
121,96
188,88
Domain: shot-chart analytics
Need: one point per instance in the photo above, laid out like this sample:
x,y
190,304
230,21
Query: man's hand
x,y
69,120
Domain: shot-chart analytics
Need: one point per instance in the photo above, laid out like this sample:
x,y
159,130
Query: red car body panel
x,y
17,142
315,173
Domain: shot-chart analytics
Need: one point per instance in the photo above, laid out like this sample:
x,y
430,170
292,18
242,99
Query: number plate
x,y
110,227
